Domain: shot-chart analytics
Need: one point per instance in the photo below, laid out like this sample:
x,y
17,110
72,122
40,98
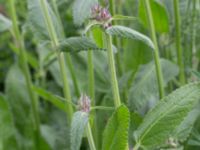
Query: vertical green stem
x,y
156,51
116,41
193,43
115,88
60,56
90,137
20,44
73,74
178,42
91,77
68,57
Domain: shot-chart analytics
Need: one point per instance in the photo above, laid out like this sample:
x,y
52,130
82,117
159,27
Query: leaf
x,y
125,32
7,134
76,44
55,100
183,131
79,122
82,10
160,122
36,21
19,104
121,17
143,93
159,13
5,23
115,136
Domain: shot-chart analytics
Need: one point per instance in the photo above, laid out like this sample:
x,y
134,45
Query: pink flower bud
x,y
84,103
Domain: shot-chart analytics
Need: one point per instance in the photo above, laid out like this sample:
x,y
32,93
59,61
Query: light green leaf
x,y
37,23
125,32
55,100
82,10
5,23
160,122
79,122
121,17
115,136
144,90
160,15
76,44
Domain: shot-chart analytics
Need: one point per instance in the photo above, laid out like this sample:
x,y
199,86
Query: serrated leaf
x,y
82,10
125,32
5,23
159,13
160,122
185,128
115,135
79,122
145,79
55,100
76,44
36,20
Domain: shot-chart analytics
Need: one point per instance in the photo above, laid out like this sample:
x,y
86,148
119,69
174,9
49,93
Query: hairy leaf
x,y
183,131
125,32
79,122
115,135
55,100
5,23
159,13
82,10
160,122
144,90
76,44
37,21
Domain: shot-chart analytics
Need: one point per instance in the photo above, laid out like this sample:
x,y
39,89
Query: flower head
x,y
84,103
100,14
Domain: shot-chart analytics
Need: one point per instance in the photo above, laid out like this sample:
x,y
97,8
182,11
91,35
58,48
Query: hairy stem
x,y
20,44
90,137
115,88
91,86
159,73
68,56
116,41
60,56
178,42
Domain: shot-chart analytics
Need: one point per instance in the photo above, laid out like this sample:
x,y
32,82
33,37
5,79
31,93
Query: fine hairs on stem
x,y
60,56
111,61
159,73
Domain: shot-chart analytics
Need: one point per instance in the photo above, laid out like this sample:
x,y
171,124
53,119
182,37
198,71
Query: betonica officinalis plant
x,y
99,75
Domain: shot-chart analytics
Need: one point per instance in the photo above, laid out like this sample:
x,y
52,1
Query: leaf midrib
x,y
161,116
